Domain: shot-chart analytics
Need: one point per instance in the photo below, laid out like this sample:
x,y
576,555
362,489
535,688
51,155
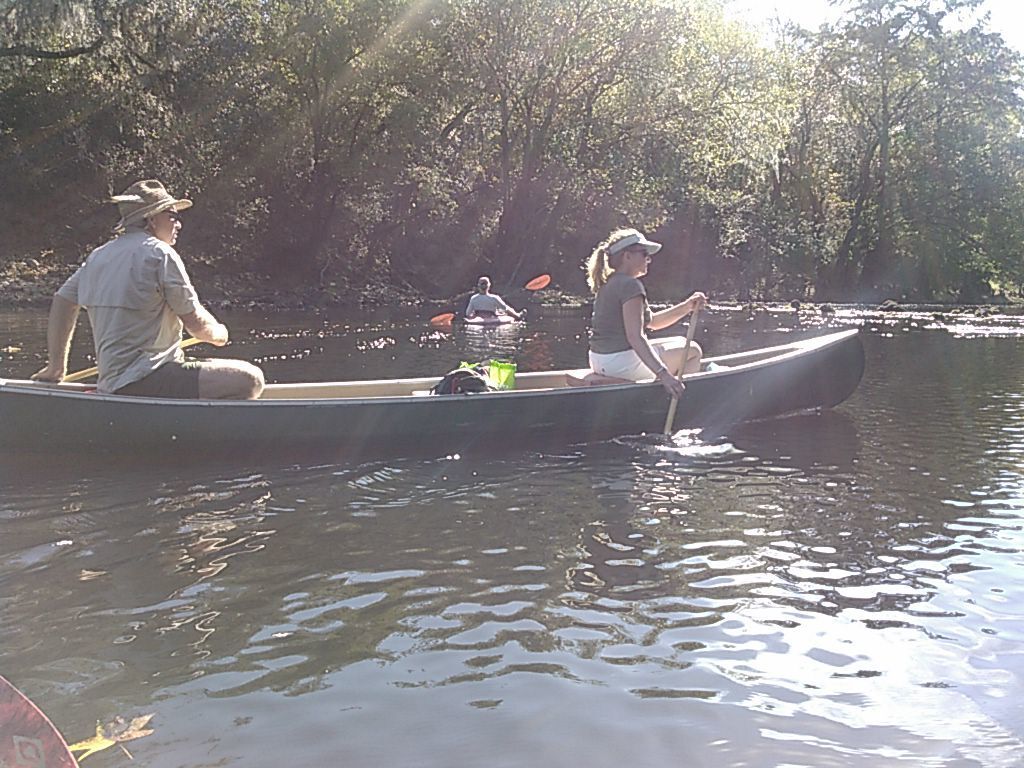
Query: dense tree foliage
x,y
333,143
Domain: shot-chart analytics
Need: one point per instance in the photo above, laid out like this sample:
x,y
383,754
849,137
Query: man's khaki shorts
x,y
174,380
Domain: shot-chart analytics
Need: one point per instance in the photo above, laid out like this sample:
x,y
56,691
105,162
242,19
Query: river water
x,y
834,589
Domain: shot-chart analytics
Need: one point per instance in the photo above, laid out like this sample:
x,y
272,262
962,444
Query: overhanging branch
x,y
38,53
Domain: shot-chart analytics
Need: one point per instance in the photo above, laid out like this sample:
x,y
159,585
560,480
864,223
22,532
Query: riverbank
x,y
31,282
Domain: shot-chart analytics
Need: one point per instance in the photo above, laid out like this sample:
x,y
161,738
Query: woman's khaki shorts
x,y
627,364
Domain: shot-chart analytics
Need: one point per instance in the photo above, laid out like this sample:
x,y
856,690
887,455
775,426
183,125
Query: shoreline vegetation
x,y
30,283
366,151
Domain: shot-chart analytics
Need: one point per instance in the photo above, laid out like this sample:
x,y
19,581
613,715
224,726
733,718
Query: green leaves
x,y
335,140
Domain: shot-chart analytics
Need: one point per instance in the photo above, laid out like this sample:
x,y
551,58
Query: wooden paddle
x,y
671,415
536,284
185,344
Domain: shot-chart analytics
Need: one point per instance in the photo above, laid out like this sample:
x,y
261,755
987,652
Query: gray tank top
x,y
608,333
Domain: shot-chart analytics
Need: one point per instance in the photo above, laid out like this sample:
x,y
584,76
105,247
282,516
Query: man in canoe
x,y
484,304
619,347
138,296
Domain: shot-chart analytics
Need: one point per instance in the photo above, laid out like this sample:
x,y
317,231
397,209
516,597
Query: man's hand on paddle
x,y
50,373
205,327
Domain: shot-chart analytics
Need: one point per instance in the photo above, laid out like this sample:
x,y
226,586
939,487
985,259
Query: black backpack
x,y
463,381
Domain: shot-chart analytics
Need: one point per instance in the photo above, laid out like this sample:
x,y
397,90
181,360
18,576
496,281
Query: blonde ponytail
x,y
597,268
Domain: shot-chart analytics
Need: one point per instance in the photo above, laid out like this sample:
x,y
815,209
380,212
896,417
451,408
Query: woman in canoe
x,y
619,347
484,304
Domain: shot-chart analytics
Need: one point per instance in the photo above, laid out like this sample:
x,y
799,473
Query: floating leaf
x,y
116,731
119,730
95,744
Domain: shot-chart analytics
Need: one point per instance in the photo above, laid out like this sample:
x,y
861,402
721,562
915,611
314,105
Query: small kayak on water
x,y
490,320
447,319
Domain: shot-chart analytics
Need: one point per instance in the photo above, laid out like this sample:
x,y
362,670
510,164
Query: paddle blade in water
x,y
540,281
443,319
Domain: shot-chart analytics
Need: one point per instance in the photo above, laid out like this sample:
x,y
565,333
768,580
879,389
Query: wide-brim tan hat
x,y
632,237
144,199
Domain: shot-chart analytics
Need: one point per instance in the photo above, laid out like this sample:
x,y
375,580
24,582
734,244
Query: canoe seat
x,y
593,380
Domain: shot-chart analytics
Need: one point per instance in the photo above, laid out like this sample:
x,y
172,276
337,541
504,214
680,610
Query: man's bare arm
x,y
204,326
59,331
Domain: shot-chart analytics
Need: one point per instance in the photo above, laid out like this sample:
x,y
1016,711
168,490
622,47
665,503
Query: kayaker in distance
x,y
485,305
138,296
619,347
